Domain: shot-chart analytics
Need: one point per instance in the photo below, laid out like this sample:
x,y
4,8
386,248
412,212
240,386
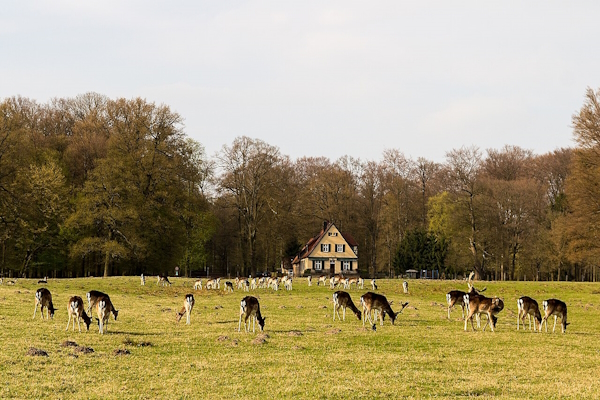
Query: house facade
x,y
330,252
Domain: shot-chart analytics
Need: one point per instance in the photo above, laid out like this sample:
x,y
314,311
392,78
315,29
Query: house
x,y
330,252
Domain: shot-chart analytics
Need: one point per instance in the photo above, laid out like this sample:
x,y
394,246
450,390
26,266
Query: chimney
x,y
325,223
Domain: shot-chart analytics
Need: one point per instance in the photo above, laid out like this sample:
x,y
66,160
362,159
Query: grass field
x,y
306,354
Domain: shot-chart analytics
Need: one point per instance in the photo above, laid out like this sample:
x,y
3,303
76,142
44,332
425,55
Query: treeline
x,y
95,186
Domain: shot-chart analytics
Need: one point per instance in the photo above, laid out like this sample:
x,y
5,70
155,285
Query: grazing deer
x,y
246,285
45,280
253,283
361,283
142,280
198,284
163,280
76,311
288,284
218,280
211,284
352,281
405,287
104,308
528,307
309,280
343,300
375,302
322,279
373,284
43,298
188,305
249,307
477,303
92,298
558,309
228,287
455,297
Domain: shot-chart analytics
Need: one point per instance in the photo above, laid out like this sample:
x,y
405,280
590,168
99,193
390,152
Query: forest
x,y
93,186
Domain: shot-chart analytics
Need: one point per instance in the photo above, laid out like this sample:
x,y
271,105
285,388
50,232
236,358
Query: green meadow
x,y
303,354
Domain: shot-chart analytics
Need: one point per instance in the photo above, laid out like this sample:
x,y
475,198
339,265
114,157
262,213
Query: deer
x,y
211,284
528,307
228,287
104,308
309,280
76,311
373,284
288,284
45,280
342,299
92,298
245,285
142,280
378,303
188,305
455,297
43,298
198,284
558,309
361,283
352,281
477,303
253,283
250,308
322,279
405,287
164,280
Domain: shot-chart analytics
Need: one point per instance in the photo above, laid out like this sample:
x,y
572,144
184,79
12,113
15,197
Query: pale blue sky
x,y
314,78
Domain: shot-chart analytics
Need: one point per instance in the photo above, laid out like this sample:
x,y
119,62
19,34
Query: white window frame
x,y
325,247
318,265
346,265
339,248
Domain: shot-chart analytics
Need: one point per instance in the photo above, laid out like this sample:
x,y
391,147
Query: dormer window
x,y
332,234
325,248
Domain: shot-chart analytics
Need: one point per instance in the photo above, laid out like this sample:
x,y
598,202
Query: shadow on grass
x,y
136,333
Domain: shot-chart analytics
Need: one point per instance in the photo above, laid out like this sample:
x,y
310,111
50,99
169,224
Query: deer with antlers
x,y
557,308
377,303
479,304
456,297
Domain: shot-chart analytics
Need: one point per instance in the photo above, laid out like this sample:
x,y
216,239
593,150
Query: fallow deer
x,y
342,299
455,297
288,284
188,305
309,280
104,308
92,298
76,311
528,307
322,279
405,287
228,287
211,284
353,281
43,298
558,309
163,280
373,284
45,280
253,283
361,283
477,303
375,302
198,284
250,308
142,280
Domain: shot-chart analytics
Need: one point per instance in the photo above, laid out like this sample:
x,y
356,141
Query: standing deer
x,y
528,307
373,284
477,303
309,280
163,280
104,308
361,283
455,297
76,311
250,308
188,305
45,280
375,302
228,287
198,284
92,298
343,300
43,298
405,287
322,279
558,309
142,280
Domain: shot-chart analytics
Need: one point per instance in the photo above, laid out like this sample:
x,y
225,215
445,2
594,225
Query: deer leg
x,y
240,323
34,310
67,328
344,312
462,308
78,324
553,328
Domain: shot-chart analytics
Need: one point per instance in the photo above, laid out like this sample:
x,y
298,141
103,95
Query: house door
x,y
332,266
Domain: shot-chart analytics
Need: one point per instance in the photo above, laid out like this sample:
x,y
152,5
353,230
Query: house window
x,y
340,248
347,265
332,234
318,265
325,248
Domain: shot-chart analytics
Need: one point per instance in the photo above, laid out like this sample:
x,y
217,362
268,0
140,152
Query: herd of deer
x,y
472,303
476,304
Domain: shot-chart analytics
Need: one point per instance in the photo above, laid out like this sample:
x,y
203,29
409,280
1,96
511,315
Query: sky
x,y
320,78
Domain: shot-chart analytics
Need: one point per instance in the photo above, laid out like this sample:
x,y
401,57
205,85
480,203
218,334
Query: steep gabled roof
x,y
312,243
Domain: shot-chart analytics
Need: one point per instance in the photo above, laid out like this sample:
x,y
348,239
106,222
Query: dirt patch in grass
x,y
333,331
121,352
261,339
145,344
297,348
128,342
83,350
322,307
36,352
222,338
295,333
282,307
68,343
